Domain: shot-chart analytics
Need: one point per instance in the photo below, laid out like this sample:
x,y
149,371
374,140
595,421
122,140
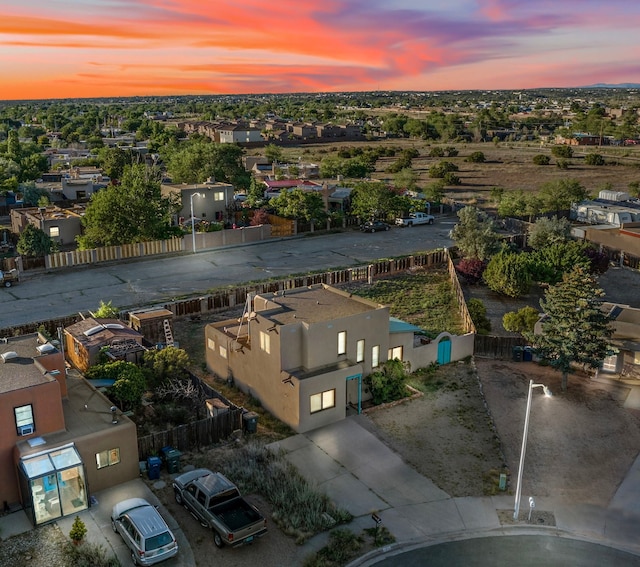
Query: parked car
x,y
144,531
217,504
414,219
374,226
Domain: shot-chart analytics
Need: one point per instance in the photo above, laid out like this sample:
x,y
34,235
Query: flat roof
x,y
23,371
314,304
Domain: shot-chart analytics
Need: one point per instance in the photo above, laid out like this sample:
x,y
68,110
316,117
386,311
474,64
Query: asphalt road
x,y
43,296
507,551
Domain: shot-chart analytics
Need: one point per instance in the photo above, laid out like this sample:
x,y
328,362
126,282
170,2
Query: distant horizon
x,y
311,93
157,48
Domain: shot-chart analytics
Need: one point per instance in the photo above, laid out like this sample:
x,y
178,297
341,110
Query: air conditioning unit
x,y
25,429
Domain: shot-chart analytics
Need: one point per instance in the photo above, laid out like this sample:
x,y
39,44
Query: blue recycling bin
x,y
153,467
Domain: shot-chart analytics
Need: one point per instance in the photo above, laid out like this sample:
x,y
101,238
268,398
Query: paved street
x,y
44,296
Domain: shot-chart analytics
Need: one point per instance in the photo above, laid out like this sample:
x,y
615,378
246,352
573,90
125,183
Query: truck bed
x,y
236,514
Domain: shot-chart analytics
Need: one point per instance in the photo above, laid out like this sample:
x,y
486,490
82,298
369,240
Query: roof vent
x,y
114,326
46,348
93,330
5,356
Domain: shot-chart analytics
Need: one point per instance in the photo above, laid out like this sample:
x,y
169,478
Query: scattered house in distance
x,y
210,204
62,225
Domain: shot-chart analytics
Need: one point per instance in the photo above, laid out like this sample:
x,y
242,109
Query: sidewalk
x,y
375,479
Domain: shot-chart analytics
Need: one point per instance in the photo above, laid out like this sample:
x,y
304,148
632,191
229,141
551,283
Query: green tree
x,y
548,264
478,314
545,232
299,204
521,321
559,195
562,151
575,328
508,273
594,159
134,211
166,364
107,311
406,179
476,157
475,234
440,169
255,194
129,381
273,153
372,199
34,242
541,159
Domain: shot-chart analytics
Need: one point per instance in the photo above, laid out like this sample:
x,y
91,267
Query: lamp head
x,y
547,392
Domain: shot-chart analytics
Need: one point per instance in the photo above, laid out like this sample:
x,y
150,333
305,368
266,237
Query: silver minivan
x,y
144,531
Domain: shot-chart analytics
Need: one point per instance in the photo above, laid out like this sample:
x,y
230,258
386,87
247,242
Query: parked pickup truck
x,y
415,218
7,279
217,504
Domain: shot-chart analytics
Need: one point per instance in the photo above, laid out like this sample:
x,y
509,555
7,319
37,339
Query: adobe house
x,y
84,340
303,353
62,225
60,441
625,321
210,200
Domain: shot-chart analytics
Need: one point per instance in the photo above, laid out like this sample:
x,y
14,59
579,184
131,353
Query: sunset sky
x,y
107,48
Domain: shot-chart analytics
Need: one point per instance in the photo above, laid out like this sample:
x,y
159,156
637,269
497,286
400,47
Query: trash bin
x,y
172,459
527,354
153,467
250,420
517,354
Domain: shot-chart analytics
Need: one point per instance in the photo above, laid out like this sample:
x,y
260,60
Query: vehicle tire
x,y
7,284
372,230
386,228
430,221
178,496
113,527
410,225
134,558
217,540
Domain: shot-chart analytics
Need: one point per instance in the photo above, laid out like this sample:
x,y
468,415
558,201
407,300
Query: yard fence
x,y
197,434
501,348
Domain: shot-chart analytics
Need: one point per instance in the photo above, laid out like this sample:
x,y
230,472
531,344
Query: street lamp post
x,y
547,393
193,222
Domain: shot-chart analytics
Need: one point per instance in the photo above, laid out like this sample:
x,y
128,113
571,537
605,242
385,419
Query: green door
x,y
444,350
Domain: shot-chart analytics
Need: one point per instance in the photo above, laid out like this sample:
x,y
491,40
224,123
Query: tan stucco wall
x,y
123,436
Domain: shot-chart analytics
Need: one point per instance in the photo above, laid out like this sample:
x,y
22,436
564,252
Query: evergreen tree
x,y
575,329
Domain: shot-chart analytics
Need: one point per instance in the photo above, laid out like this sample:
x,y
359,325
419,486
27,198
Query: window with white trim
x,y
322,401
395,352
342,342
211,344
223,352
24,419
108,458
610,363
375,356
218,196
360,350
54,231
265,342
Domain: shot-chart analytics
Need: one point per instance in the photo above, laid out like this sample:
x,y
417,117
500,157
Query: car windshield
x,y
158,541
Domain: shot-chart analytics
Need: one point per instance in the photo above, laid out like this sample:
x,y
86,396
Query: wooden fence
x,y
487,346
197,434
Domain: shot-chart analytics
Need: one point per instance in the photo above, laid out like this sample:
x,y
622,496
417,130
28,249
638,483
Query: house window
x,y
395,352
218,196
342,342
360,350
24,420
636,357
610,363
375,356
265,342
223,352
211,344
108,458
54,231
323,401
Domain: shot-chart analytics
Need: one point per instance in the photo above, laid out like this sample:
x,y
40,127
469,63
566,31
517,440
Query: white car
x,y
144,531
